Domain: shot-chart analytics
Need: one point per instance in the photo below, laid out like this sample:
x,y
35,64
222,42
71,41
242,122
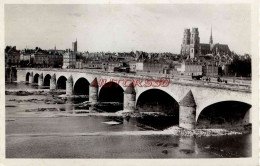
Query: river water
x,y
63,133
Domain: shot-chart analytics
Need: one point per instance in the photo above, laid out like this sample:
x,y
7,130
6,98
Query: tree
x,y
241,67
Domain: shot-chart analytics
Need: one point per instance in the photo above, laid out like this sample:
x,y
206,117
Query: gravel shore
x,y
174,130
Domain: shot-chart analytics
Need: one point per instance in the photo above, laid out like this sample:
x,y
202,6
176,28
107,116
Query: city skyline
x,y
123,28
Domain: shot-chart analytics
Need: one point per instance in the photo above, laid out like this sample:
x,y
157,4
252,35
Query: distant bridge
x,y
204,94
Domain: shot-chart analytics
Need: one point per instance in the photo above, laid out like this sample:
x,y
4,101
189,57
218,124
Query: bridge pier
x,y
31,78
247,118
53,82
93,91
40,81
69,86
187,115
129,98
250,115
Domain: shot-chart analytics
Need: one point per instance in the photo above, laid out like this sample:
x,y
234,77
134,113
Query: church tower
x,y
185,42
194,43
74,46
211,38
186,37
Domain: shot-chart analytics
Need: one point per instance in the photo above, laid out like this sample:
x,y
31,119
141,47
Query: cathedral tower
x,y
194,43
185,42
186,37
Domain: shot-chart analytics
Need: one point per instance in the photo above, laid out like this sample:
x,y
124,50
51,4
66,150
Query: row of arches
x,y
81,87
46,80
156,100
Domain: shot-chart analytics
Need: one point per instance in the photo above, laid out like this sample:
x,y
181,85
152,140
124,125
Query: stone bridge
x,y
192,97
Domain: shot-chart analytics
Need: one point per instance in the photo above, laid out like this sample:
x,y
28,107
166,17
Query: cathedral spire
x,y
211,38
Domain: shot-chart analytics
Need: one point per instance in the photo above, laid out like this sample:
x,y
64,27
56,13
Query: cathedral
x,y
191,46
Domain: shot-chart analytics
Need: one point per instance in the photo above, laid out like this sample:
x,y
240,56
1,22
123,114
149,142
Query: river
x,y
63,133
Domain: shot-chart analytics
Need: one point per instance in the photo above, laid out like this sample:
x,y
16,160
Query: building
x,y
191,43
69,60
25,58
12,60
55,59
154,67
93,65
177,67
79,65
205,49
40,58
111,65
139,66
192,48
12,57
190,68
220,49
136,66
210,69
132,66
26,55
69,57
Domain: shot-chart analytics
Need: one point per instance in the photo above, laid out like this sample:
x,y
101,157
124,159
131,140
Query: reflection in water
x,y
187,145
158,122
21,86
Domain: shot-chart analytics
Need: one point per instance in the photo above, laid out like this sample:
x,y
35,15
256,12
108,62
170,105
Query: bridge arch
x,y
157,100
47,80
104,82
111,92
111,96
167,90
27,76
61,82
36,78
81,86
228,113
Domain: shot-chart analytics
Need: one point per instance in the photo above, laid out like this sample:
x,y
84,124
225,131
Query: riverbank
x,y
239,130
173,130
29,92
124,115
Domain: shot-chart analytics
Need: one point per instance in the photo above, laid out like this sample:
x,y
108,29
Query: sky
x,y
126,27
